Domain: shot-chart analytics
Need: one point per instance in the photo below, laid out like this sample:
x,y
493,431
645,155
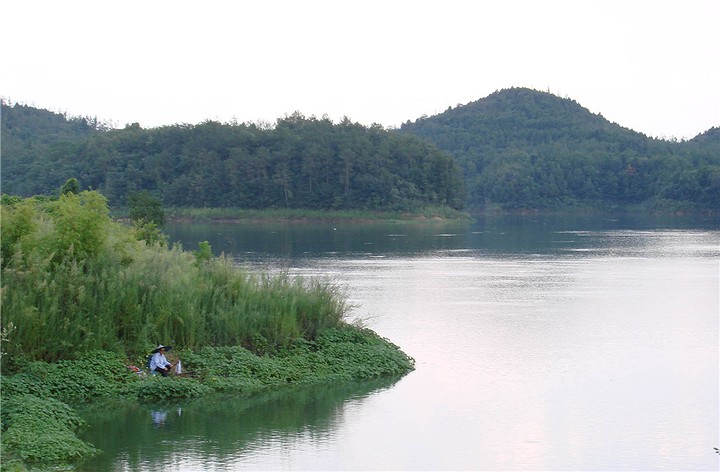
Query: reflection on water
x,y
219,429
541,344
159,416
491,235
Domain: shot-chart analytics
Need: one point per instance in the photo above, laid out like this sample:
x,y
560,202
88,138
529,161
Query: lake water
x,y
540,343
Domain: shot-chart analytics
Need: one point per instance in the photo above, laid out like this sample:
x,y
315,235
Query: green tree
x,y
80,224
18,221
143,207
71,185
149,232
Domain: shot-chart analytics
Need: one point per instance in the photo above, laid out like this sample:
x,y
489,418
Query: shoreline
x,y
236,215
55,391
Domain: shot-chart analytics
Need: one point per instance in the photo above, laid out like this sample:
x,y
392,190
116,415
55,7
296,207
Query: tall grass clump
x,y
74,281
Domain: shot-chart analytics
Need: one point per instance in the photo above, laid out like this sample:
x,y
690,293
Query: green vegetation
x,y
286,214
41,393
80,282
300,162
144,208
524,149
516,149
82,294
40,430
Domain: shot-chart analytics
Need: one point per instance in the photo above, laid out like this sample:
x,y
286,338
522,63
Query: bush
x,y
41,430
362,354
96,374
146,208
338,354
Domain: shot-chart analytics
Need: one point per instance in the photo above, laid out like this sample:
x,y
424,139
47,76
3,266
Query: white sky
x,y
652,66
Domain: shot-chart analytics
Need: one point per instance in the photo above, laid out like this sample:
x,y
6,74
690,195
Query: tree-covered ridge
x,y
517,148
299,163
27,134
520,148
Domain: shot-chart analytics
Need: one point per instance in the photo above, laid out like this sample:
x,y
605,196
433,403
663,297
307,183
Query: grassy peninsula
x,y
84,297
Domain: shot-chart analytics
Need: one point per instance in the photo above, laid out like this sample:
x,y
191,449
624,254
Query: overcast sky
x,y
652,66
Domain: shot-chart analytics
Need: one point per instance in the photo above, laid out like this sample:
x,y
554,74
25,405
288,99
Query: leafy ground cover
x,y
39,422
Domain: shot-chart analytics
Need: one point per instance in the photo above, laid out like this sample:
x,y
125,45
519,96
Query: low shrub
x,y
345,353
95,374
362,354
38,429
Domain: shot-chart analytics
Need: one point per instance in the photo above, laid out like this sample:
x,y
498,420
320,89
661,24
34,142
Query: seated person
x,y
159,362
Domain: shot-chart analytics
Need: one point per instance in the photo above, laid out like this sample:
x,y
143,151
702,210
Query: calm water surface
x,y
541,344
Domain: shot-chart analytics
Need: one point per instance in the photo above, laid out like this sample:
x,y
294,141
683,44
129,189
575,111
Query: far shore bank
x,y
233,216
301,216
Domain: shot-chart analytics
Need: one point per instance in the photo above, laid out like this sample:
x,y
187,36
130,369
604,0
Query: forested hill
x,y
521,148
515,149
299,163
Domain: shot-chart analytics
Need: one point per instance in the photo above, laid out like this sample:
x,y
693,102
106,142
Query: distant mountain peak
x,y
522,104
521,116
524,148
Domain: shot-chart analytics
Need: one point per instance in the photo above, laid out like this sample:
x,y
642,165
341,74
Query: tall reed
x,y
66,292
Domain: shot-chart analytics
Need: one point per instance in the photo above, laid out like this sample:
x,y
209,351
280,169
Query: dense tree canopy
x,y
299,163
521,148
517,148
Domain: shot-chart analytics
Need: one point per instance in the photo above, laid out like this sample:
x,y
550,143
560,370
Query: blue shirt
x,y
158,360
